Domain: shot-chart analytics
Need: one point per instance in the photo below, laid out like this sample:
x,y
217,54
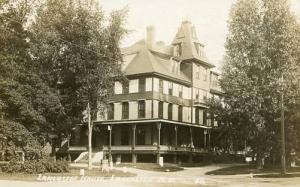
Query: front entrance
x,y
125,135
140,136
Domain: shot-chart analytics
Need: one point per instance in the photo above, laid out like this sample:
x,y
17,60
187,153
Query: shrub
x,y
35,166
4,166
56,167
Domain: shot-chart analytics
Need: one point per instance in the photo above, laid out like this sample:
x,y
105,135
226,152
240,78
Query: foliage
x,y
55,57
25,98
262,45
15,137
77,51
35,166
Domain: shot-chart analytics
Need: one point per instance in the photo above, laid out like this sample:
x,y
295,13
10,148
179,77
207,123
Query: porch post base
x,y
175,159
134,158
157,158
190,158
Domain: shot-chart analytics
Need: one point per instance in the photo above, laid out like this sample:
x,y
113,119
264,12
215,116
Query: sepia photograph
x,y
150,93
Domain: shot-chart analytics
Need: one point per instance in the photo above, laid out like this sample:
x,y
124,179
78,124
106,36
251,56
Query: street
x,y
186,177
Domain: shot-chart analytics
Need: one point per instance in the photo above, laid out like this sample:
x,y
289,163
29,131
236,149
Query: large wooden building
x,y
162,110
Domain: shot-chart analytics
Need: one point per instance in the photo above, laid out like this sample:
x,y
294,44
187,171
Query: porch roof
x,y
139,121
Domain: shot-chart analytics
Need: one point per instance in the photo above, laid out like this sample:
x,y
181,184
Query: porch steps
x,y
97,157
84,156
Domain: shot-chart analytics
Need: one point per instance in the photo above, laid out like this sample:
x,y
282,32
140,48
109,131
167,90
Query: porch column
x,y
109,127
191,133
209,140
192,145
176,136
133,143
176,143
69,155
158,141
205,133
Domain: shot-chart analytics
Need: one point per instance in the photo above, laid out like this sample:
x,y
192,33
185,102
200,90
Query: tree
x,y
77,50
262,45
27,103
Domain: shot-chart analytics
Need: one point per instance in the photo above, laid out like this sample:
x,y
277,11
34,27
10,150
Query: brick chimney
x,y
150,36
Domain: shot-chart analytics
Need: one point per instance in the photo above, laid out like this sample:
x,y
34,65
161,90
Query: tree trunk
x,y
260,161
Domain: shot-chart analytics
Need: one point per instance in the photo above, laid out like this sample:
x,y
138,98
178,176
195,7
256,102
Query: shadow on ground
x,y
271,172
153,167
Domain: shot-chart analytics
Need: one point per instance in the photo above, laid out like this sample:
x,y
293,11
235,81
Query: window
x,y
175,66
170,88
204,74
161,86
118,88
141,109
126,88
212,119
111,111
180,88
197,71
134,86
204,117
161,109
125,110
179,113
170,111
199,49
197,95
214,80
142,83
177,50
197,46
204,94
197,115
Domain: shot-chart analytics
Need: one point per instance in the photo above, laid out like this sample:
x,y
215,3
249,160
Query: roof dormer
x,y
186,44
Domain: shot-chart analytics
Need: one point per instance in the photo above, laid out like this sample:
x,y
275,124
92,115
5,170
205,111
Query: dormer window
x,y
175,66
177,50
199,49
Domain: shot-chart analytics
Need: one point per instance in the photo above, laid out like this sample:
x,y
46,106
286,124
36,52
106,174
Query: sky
x,y
208,16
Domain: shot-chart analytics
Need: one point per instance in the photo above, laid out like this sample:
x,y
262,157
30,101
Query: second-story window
x,y
179,113
197,116
161,109
170,88
142,107
197,95
204,117
180,88
125,110
126,87
142,83
170,111
111,111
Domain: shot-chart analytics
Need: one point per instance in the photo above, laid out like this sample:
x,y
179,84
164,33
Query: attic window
x,y
177,50
199,49
175,66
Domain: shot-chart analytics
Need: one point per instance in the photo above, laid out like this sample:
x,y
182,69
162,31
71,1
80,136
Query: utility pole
x,y
90,129
283,163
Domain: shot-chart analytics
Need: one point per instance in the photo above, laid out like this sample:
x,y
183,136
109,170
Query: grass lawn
x,y
248,169
74,172
153,167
